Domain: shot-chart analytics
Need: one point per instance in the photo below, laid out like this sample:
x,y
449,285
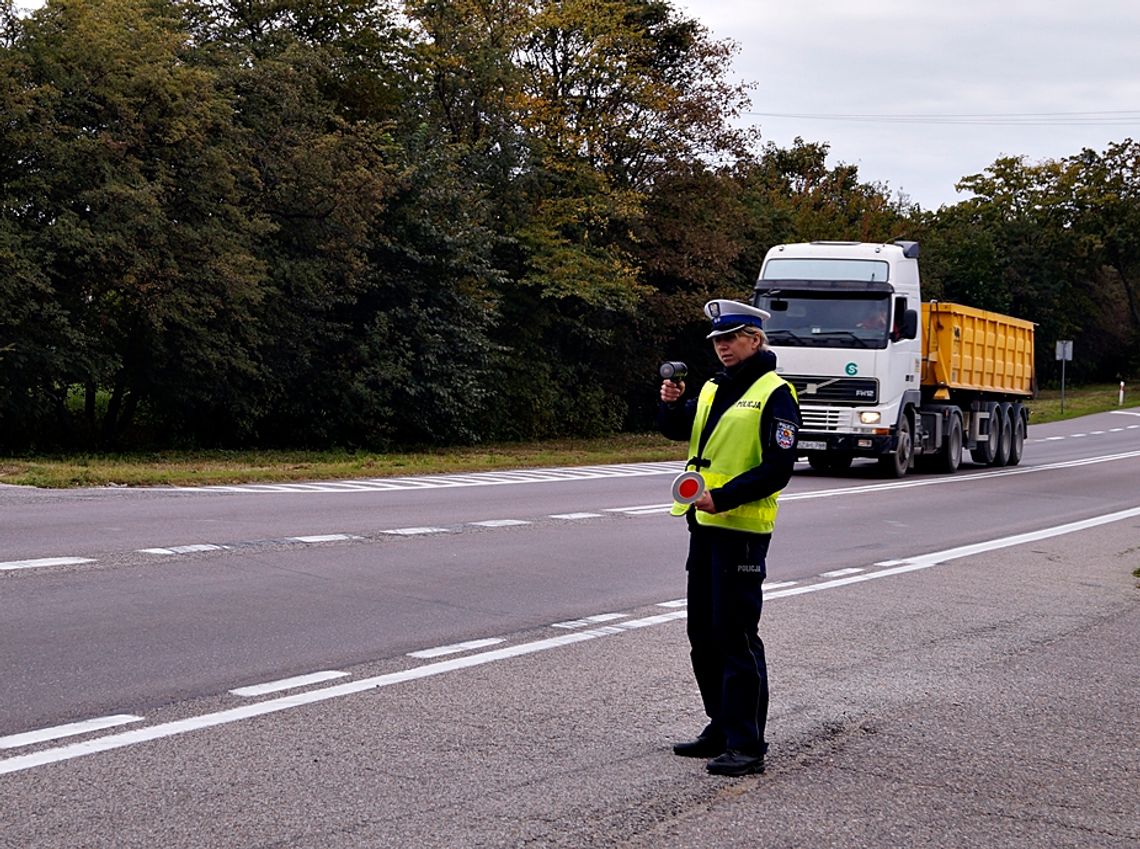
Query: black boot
x,y
734,762
709,744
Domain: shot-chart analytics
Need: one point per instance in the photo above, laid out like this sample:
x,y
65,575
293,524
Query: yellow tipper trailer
x,y
881,372
973,350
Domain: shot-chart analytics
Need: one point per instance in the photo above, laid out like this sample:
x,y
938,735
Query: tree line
x,y
368,223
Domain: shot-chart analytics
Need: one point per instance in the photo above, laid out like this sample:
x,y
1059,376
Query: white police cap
x,y
730,316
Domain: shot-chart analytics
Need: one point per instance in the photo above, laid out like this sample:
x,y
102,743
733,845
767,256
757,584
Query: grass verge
x,y
1079,401
199,468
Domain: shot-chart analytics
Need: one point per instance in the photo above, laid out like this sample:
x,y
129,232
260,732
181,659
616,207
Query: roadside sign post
x,y
1064,354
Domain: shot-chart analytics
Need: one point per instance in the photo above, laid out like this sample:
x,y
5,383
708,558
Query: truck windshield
x,y
826,320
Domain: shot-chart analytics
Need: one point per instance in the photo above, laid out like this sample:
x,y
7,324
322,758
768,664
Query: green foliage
x,y
1053,242
358,223
125,195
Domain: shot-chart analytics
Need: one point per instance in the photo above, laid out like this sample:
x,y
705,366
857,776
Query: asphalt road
x,y
954,662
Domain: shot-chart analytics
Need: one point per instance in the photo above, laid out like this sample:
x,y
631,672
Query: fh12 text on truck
x,y
881,374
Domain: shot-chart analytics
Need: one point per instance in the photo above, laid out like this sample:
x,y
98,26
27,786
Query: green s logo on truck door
x,y
851,369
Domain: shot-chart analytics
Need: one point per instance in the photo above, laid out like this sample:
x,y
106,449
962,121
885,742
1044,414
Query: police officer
x,y
742,435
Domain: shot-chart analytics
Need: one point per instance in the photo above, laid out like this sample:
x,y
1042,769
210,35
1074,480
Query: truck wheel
x,y
1017,440
895,464
829,463
949,456
1001,450
983,453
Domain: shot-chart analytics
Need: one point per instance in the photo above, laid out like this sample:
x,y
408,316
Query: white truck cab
x,y
844,327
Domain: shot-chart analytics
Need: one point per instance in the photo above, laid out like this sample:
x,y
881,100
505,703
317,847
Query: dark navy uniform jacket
x,y
780,414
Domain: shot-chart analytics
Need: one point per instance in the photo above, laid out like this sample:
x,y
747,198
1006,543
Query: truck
x,y
879,373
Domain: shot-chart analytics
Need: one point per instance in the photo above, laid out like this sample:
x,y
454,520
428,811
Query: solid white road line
x,y
183,726
289,683
937,557
646,509
211,720
456,648
43,561
72,729
523,476
908,483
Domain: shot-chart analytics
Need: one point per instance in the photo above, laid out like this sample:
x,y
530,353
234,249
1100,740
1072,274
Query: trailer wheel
x,y
949,456
895,464
829,463
1001,450
983,453
1017,439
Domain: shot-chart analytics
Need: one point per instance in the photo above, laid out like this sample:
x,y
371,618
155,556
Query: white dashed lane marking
x,y
456,648
210,720
43,561
585,622
290,683
642,509
184,549
633,510
839,573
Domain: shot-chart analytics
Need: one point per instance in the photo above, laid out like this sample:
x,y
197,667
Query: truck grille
x,y
835,390
821,418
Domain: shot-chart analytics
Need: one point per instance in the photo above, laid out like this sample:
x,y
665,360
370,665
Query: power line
x,y
1108,117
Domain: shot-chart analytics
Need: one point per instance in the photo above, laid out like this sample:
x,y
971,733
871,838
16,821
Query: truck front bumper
x,y
856,444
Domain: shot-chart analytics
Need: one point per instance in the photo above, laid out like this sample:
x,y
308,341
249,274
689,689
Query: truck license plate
x,y
811,445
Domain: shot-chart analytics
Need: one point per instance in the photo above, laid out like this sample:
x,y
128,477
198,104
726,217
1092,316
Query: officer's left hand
x,y
705,503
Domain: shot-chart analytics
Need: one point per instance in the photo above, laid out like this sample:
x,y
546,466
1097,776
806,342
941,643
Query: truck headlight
x,y
870,417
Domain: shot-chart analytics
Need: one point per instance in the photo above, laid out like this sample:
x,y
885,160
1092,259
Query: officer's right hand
x,y
671,391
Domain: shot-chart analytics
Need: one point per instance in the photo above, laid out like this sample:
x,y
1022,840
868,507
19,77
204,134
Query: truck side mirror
x,y
908,327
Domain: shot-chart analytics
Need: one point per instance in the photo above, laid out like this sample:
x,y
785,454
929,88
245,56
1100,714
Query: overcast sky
x,y
1024,71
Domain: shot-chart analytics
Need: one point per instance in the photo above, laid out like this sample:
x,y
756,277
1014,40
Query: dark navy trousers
x,y
726,573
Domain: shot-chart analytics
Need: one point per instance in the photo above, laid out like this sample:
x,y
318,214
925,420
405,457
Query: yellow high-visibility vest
x,y
734,447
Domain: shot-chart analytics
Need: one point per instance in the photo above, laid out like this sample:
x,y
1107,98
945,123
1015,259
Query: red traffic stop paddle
x,y
688,487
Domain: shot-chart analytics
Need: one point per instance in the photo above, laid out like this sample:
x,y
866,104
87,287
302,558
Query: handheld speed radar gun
x,y
673,371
